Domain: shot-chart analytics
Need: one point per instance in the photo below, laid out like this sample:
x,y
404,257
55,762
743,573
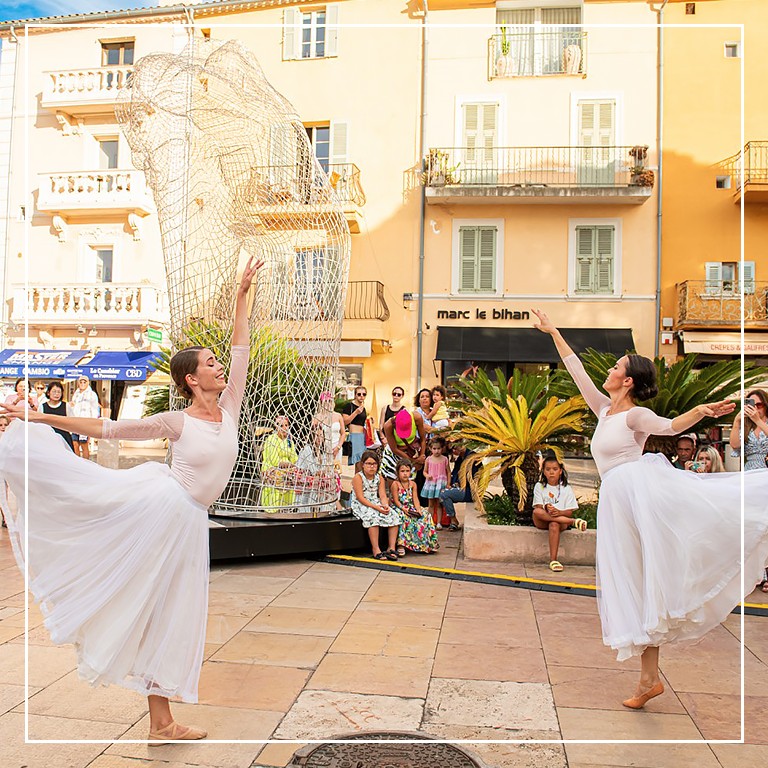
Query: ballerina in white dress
x,y
669,556
118,559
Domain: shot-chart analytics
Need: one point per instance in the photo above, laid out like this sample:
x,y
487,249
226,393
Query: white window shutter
x,y
467,258
486,260
331,30
714,276
339,136
585,259
748,277
291,34
489,122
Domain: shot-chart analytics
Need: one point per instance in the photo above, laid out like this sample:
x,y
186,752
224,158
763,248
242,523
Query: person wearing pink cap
x,y
406,438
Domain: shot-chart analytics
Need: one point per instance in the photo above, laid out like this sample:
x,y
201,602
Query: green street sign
x,y
155,334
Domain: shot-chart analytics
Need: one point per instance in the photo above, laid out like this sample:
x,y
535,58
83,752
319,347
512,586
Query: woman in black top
x,y
55,404
390,410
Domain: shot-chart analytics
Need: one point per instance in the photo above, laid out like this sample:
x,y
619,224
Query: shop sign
x,y
476,313
155,334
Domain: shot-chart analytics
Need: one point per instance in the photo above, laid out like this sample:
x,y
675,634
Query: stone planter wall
x,y
522,544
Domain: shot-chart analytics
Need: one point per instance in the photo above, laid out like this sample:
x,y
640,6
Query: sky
x,y
10,10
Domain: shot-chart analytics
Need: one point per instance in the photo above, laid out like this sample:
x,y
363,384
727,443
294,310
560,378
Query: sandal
x,y
380,556
454,527
579,524
390,554
175,732
556,566
400,551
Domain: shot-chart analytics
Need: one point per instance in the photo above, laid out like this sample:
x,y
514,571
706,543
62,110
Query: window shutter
x,y
467,260
748,277
604,282
585,259
488,127
338,138
606,111
469,139
486,262
291,33
331,30
714,276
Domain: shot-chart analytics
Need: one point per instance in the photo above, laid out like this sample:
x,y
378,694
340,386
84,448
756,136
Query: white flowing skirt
x,y
669,551
118,560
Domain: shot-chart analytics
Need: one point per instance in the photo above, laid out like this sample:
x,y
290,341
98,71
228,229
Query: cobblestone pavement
x,y
298,649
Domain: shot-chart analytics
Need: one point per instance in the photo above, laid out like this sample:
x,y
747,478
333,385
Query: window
x,y
593,255
722,277
477,259
320,139
597,160
103,265
723,182
107,154
732,50
537,50
310,34
479,129
117,54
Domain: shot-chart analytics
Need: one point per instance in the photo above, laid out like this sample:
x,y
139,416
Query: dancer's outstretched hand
x,y
20,411
251,268
720,408
544,324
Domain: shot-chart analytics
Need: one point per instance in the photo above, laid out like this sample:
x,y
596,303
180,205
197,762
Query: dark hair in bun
x,y
642,371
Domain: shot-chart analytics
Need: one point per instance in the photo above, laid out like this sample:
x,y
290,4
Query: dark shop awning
x,y
525,345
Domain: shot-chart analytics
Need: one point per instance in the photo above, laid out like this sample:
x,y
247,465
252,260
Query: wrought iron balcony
x,y
365,301
88,304
76,91
527,174
754,184
527,53
713,303
94,191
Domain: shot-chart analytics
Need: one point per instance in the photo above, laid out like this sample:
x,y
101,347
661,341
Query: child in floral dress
x,y
417,531
370,505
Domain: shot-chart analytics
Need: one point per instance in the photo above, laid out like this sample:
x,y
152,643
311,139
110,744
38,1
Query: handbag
x,y
346,447
371,436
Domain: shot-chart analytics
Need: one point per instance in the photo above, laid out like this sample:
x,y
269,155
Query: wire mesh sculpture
x,y
233,174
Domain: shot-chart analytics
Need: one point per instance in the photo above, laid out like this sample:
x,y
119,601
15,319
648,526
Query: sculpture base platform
x,y
235,539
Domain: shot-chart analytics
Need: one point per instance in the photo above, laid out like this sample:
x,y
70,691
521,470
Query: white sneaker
x,y
439,527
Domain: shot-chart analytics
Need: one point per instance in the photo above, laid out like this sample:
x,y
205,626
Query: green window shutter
x,y
714,276
486,262
291,33
467,261
331,30
585,259
604,270
748,277
477,259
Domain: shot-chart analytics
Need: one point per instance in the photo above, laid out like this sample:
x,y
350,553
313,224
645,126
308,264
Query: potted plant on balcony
x,y
504,63
639,175
437,172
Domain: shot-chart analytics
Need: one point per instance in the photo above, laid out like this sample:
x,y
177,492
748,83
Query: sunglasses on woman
x,y
397,394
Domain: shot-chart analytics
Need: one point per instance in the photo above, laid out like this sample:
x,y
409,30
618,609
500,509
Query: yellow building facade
x,y
705,187
491,157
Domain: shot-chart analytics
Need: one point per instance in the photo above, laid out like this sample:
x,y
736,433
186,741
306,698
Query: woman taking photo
x,y
118,559
669,551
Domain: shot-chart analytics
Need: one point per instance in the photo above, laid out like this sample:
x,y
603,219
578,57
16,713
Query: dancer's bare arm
x,y
79,425
241,335
595,399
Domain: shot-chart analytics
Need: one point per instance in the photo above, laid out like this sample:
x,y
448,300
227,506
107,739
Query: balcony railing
x,y
93,190
84,87
537,167
298,183
527,53
715,302
365,301
755,164
88,303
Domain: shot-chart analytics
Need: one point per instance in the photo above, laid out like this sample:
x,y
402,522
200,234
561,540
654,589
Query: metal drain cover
x,y
386,754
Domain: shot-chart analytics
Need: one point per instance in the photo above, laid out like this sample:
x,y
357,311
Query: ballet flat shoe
x,y
638,702
175,732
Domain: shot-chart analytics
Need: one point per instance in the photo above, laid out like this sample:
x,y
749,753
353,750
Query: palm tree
x,y
681,388
505,432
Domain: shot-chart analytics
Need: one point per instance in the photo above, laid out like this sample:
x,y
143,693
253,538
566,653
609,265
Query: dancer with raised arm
x,y
669,556
118,559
